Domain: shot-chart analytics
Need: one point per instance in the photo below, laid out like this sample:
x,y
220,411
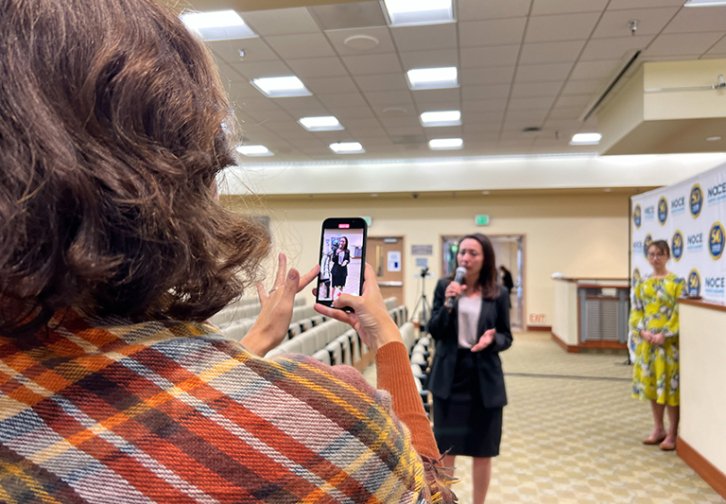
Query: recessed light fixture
x,y
714,138
441,118
704,3
281,87
347,148
432,78
408,12
320,123
586,139
254,150
446,143
217,25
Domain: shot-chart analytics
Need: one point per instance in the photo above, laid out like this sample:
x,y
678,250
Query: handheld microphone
x,y
460,275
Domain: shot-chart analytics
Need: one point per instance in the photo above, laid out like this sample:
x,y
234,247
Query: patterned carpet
x,y
572,434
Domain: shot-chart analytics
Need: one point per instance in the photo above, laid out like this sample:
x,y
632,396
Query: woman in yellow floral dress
x,y
654,329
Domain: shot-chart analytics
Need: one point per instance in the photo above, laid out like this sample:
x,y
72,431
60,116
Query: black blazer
x,y
443,327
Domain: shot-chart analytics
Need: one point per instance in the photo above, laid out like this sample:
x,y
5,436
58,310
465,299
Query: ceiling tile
x,y
302,105
528,104
343,100
333,85
580,87
491,32
382,34
561,27
550,52
543,73
490,9
573,101
613,48
614,23
698,20
505,55
255,49
683,44
419,38
317,67
572,113
241,90
535,89
363,125
373,64
719,49
352,112
637,4
281,21
429,59
252,70
306,45
541,7
485,92
402,98
348,14
486,75
491,105
382,82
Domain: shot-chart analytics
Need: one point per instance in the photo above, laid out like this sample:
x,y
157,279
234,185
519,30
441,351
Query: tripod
x,y
422,303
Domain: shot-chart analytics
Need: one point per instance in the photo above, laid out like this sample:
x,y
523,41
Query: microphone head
x,y
460,274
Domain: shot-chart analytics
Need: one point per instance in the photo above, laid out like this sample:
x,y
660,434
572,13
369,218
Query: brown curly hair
x,y
111,136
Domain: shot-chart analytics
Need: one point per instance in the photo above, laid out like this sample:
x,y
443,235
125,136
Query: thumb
x,y
348,300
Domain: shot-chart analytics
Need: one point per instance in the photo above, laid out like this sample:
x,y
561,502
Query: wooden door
x,y
385,254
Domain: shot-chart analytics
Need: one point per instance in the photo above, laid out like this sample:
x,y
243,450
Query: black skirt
x,y
462,425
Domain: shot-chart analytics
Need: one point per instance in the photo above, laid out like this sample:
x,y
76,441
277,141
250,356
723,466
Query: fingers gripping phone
x,y
342,258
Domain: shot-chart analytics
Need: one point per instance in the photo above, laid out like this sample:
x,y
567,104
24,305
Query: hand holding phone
x,y
342,256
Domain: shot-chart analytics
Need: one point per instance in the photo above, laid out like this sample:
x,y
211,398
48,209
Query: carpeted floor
x,y
572,434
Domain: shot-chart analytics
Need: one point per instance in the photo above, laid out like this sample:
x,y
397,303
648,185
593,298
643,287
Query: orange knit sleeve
x,y
393,370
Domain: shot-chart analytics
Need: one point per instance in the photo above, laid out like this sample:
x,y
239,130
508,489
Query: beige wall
x,y
575,234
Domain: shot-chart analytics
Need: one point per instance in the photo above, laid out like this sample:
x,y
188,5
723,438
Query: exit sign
x,y
481,220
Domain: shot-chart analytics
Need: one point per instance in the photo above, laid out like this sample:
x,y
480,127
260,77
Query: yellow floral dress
x,y
656,373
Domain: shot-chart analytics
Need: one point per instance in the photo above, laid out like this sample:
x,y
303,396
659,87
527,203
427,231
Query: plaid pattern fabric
x,y
109,411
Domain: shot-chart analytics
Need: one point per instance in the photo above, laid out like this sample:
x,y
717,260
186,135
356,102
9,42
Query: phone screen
x,y
342,258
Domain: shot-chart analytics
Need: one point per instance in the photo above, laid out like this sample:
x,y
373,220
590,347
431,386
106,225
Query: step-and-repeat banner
x,y
690,216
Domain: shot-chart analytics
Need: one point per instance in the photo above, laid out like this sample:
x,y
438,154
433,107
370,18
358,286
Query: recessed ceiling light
x,y
432,78
714,138
217,25
446,143
586,139
407,12
320,123
704,3
441,118
347,148
281,87
254,150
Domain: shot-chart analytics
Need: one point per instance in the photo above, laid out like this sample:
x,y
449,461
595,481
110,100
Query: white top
x,y
469,311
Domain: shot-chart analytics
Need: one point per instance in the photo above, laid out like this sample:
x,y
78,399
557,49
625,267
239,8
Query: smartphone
x,y
342,258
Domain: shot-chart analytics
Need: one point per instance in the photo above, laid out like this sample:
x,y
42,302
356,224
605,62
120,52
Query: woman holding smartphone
x,y
467,382
114,252
339,271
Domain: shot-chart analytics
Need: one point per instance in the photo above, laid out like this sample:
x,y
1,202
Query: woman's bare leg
x,y
481,471
658,429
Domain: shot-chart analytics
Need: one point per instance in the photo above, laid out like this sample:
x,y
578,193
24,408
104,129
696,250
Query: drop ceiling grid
x,y
521,63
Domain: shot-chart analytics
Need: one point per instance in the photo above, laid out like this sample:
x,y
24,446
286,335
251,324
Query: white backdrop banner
x,y
690,216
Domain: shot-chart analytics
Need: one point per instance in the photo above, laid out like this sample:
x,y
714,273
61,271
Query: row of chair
x,y
419,349
247,308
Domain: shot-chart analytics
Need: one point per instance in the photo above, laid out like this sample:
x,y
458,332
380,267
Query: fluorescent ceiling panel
x,y
432,78
586,139
217,25
441,118
347,148
411,12
704,3
320,123
254,150
446,143
281,87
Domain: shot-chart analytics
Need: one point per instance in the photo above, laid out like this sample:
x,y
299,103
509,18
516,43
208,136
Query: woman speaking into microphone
x,y
470,323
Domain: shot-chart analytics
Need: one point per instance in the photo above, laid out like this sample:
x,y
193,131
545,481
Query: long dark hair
x,y
488,274
111,138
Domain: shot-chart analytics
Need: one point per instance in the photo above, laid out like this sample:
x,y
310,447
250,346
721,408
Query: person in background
x,y
467,382
507,281
654,329
339,271
113,254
